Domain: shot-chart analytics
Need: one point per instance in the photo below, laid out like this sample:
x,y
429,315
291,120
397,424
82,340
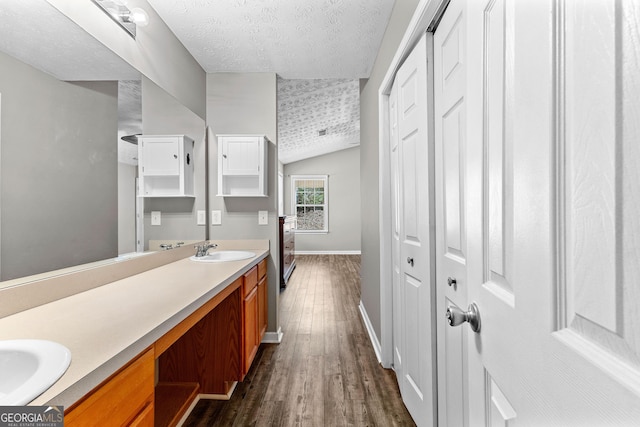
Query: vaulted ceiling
x,y
319,48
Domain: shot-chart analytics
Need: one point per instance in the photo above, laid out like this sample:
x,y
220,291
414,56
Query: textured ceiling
x,y
307,108
298,39
313,40
320,48
36,33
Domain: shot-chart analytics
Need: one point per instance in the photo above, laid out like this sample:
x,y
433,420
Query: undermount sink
x,y
28,368
222,256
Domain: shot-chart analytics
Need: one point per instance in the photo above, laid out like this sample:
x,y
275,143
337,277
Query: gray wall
x,y
343,168
58,185
370,269
127,208
245,103
162,114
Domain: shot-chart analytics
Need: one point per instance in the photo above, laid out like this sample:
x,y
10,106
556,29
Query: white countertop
x,y
107,326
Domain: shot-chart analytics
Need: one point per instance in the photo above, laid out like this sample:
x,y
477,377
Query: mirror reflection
x,y
67,178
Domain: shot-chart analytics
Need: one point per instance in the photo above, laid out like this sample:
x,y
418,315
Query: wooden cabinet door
x,y
250,328
262,308
123,399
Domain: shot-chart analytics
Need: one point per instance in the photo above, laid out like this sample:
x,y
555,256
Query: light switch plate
x,y
202,217
263,218
216,217
156,218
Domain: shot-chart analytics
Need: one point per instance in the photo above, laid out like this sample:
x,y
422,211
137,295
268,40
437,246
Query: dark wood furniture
x,y
287,248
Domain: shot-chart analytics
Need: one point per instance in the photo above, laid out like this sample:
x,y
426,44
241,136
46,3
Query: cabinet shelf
x,y
241,174
160,174
172,400
168,196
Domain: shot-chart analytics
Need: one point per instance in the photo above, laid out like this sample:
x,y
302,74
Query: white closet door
x,y
414,290
450,94
544,223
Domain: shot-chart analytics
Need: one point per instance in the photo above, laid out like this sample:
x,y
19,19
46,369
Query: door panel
x,y
593,154
498,149
398,327
453,186
552,252
417,377
451,369
599,191
411,214
413,331
500,413
450,198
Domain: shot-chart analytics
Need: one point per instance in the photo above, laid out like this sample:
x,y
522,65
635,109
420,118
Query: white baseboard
x,y
226,396
202,396
186,414
372,335
328,253
273,337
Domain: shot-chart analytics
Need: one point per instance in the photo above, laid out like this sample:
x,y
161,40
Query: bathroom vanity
x,y
145,346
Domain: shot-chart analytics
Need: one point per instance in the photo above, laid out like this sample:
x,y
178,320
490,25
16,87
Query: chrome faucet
x,y
167,246
201,250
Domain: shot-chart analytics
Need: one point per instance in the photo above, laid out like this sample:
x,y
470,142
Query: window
x,y
310,203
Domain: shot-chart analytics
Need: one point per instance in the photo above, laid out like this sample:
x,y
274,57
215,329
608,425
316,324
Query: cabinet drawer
x,y
124,398
262,269
250,280
145,419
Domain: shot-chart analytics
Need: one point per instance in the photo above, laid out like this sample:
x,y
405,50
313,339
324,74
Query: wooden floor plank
x,y
325,371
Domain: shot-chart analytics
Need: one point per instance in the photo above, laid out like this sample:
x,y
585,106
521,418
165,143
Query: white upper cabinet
x,y
242,165
165,166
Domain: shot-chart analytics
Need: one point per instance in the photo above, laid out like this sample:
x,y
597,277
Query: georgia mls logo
x,y
31,416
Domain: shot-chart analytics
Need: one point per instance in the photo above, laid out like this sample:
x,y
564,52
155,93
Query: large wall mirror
x,y
67,178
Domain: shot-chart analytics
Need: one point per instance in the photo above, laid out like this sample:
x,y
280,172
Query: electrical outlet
x,y
263,218
202,217
156,218
216,217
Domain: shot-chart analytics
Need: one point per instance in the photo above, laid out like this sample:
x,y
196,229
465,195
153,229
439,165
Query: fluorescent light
x,y
120,13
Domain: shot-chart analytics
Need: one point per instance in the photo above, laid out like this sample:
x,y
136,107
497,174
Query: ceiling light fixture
x,y
129,19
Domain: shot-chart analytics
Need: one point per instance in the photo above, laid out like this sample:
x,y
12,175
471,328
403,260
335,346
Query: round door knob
x,y
451,281
410,261
455,316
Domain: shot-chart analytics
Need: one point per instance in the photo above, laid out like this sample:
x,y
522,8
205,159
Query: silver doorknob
x,y
451,281
410,261
456,316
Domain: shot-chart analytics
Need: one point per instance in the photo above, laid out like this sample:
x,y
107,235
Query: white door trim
x,y
426,13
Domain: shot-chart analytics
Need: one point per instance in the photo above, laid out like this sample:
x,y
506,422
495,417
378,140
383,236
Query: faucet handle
x,y
201,250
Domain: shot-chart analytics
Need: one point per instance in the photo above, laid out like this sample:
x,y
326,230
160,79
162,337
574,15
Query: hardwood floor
x,y
325,372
